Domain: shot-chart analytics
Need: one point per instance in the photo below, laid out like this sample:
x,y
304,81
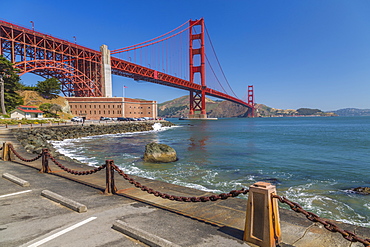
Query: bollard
x,y
6,152
110,187
262,224
45,162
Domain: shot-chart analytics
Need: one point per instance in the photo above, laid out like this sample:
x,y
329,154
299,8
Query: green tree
x,y
49,88
11,84
32,88
45,107
49,109
308,111
55,108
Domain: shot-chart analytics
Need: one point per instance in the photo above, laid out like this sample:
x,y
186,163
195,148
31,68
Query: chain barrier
x,y
350,236
20,157
222,196
74,172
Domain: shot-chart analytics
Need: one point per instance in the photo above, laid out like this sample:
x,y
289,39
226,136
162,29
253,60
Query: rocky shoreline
x,y
36,138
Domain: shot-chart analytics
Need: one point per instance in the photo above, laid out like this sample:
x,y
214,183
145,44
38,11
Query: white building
x,y
24,111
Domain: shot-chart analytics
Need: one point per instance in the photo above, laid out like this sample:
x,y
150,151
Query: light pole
x,y
74,38
33,26
3,110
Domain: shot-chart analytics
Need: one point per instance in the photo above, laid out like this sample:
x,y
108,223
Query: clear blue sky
x,y
306,53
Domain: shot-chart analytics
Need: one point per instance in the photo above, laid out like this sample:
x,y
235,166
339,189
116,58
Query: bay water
x,y
312,160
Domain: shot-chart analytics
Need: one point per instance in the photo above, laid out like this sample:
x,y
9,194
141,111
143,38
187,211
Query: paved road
x,y
28,219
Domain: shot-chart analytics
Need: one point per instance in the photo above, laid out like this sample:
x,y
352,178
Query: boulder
x,y
159,153
362,190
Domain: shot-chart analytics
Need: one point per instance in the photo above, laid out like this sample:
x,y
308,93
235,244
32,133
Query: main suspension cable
x,y
210,41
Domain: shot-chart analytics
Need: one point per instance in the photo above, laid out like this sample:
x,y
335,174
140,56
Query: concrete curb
x,y
145,237
16,180
64,201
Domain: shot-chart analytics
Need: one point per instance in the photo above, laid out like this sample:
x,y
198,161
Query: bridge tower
x,y
251,101
197,68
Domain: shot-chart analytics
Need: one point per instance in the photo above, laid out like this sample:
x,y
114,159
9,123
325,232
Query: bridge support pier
x,y
106,71
197,104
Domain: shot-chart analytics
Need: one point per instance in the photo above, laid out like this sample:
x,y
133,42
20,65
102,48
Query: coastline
x,y
296,229
35,139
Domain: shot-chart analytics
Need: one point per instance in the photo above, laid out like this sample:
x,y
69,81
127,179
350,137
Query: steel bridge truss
x,y
77,68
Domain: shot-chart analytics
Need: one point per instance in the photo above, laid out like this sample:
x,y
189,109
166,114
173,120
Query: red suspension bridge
x,y
176,59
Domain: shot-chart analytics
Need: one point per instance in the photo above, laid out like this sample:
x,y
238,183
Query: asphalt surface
x,y
29,219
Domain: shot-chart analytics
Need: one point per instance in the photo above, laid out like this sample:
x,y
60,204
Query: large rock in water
x,y
362,190
158,153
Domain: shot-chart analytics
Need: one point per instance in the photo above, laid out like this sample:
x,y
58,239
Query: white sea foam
x,y
129,156
195,186
324,205
157,126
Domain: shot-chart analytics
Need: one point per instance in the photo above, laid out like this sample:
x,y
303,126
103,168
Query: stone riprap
x,y
361,190
37,138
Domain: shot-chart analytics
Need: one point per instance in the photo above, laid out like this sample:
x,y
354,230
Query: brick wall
x,y
96,107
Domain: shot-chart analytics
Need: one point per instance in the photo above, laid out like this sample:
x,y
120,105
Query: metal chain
x,y
74,172
20,157
222,196
350,236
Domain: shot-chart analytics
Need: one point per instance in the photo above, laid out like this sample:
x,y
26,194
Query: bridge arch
x,y
74,82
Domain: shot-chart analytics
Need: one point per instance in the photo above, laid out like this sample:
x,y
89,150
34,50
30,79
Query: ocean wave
x,y
325,204
195,186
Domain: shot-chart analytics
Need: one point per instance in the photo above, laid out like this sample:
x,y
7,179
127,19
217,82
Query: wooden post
x,y
44,161
110,187
5,155
262,225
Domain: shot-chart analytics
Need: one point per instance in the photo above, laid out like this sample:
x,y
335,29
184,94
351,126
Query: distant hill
x,y
352,112
224,109
221,109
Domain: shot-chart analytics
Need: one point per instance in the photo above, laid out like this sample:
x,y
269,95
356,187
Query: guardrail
x,y
262,225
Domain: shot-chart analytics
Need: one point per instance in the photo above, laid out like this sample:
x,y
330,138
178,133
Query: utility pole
x,y
2,93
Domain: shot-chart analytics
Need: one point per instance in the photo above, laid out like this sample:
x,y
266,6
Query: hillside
x,y
351,112
34,99
180,107
224,109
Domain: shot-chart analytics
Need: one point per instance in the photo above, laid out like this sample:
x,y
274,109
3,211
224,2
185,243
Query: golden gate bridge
x,y
177,59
